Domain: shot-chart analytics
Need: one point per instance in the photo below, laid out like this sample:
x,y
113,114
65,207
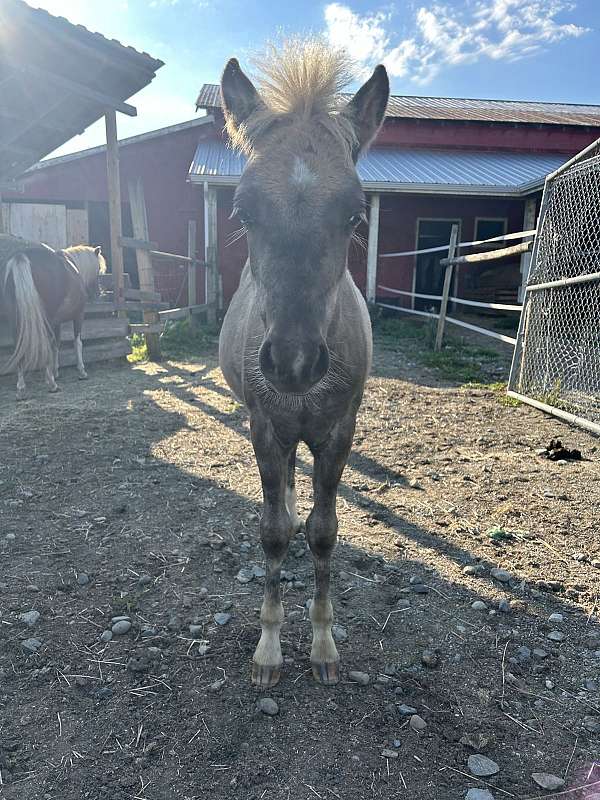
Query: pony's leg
x,y
52,385
321,532
21,387
77,325
290,493
56,348
275,532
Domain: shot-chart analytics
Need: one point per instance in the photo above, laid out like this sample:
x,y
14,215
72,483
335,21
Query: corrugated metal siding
x,y
460,168
461,108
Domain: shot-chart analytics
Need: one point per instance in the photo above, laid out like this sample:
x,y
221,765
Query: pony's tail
x,y
34,341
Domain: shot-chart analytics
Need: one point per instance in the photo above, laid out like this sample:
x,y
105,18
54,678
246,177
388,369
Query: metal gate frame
x,y
514,381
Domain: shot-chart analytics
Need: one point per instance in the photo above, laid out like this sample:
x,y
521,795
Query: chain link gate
x,y
556,363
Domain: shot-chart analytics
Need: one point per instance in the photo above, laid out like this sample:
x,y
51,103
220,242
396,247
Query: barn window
x,y
490,227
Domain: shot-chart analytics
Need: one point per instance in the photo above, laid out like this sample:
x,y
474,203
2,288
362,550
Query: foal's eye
x,y
244,218
356,219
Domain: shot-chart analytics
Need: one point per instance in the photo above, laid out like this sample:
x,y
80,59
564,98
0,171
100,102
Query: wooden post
x,y
211,248
446,291
372,249
192,267
114,208
2,226
528,225
139,224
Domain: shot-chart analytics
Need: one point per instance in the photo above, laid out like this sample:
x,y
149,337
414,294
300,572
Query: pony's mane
x,y
89,263
302,80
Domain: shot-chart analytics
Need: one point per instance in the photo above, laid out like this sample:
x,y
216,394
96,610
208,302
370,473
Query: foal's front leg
x,y
276,530
321,532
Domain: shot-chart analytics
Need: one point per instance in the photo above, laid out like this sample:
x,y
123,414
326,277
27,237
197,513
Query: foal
x,y
295,345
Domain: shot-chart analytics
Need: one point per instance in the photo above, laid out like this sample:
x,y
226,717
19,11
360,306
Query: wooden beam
x,y
372,249
192,266
137,244
492,255
139,222
114,204
211,246
528,224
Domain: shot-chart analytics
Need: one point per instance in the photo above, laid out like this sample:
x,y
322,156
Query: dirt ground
x,y
142,481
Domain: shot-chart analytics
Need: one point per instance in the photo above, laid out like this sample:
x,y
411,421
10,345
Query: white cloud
x,y
442,35
364,38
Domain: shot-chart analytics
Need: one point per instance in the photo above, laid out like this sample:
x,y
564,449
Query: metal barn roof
x,y
56,79
409,170
462,108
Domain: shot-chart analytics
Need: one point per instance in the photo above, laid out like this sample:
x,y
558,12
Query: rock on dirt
x,y
417,723
31,646
430,658
479,605
221,618
359,677
121,627
547,781
501,575
30,618
268,706
406,711
482,766
389,753
479,794
339,633
556,636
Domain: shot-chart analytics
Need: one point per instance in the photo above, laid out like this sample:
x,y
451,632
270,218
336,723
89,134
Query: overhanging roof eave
x,y
391,188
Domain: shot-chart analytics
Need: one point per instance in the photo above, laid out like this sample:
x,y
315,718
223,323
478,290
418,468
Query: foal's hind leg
x,y
321,532
275,532
290,493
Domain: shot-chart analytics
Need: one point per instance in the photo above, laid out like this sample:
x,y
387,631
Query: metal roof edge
x,y
390,188
139,137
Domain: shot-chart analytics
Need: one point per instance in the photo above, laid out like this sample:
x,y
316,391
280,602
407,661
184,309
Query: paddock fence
x,y
450,262
556,363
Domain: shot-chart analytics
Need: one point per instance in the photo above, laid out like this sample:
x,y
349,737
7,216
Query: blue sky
x,y
514,49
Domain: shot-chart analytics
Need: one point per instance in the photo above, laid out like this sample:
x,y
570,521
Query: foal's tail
x,y
33,346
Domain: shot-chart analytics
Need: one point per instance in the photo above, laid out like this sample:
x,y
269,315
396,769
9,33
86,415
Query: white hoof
x,y
83,376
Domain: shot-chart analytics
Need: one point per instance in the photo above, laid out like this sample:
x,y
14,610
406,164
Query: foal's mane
x,y
299,81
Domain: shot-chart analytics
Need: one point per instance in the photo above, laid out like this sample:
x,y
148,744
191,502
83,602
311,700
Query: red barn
x,y
436,161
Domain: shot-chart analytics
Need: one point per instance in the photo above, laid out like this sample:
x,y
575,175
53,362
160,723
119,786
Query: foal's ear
x,y
367,108
240,98
98,250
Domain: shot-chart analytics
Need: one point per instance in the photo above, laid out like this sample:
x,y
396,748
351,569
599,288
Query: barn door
x,y
429,277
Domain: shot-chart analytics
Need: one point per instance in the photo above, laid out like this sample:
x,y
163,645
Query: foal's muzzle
x,y
291,366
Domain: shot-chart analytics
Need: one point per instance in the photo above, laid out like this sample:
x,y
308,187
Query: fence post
x,y
192,267
372,248
211,258
446,291
114,209
139,223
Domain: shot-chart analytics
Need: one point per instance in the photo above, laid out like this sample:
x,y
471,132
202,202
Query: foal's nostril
x,y
321,363
265,359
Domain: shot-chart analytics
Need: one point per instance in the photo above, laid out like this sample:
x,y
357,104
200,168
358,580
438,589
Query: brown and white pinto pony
x,y
43,288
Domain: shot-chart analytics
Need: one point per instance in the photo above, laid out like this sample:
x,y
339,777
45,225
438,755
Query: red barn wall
x,y
163,162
